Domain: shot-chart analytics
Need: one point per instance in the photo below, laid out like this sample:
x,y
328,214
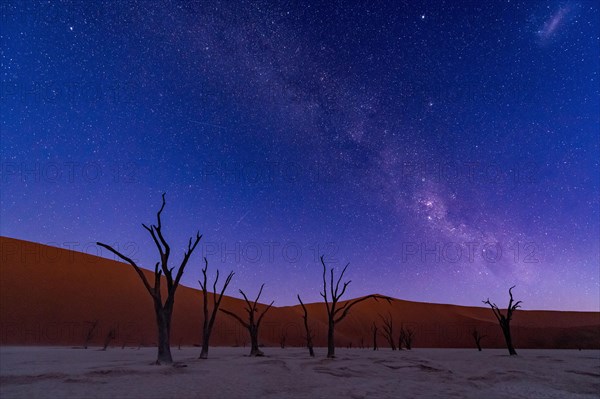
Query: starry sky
x,y
446,149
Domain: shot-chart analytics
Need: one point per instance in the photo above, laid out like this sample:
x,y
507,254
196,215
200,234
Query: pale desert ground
x,y
58,372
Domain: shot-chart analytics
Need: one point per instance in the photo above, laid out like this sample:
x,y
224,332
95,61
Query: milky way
x,y
447,150
556,21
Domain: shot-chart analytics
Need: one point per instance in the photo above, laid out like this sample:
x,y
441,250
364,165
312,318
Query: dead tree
x,y
400,340
505,320
406,337
209,322
282,339
309,335
90,333
109,337
374,330
478,337
388,330
253,324
162,310
335,314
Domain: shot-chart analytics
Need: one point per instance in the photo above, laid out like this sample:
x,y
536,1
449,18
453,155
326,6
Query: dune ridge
x,y
51,296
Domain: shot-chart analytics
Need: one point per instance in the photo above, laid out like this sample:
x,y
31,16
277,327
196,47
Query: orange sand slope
x,y
50,296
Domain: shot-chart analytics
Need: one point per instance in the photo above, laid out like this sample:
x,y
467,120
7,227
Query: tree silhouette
x,y
309,335
406,337
505,320
90,333
208,323
388,330
282,339
162,310
252,325
112,333
478,337
374,331
335,314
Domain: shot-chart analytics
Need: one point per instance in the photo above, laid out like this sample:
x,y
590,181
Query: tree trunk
x,y
109,337
508,339
254,349
309,344
205,341
330,340
392,343
311,352
375,348
163,319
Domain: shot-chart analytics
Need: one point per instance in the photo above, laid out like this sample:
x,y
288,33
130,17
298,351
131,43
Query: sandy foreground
x,y
58,372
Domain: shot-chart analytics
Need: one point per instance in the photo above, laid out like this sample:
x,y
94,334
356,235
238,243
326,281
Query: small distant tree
x,y
253,324
406,337
309,335
282,339
504,320
335,314
400,340
90,333
162,309
208,323
112,333
388,330
374,331
478,337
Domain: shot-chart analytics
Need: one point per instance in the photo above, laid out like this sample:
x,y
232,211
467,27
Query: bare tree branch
x,y
186,257
242,322
264,313
324,293
348,305
132,263
249,309
258,296
337,285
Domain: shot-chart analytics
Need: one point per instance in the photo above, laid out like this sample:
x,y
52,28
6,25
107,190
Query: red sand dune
x,y
49,296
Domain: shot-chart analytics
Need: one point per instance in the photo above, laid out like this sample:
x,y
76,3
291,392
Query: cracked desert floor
x,y
56,372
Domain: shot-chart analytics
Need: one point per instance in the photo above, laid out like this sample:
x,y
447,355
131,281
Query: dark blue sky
x,y
447,150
